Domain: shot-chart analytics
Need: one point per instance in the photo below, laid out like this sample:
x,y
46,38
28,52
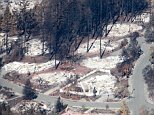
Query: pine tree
x,y
59,105
1,20
26,20
7,19
1,17
28,92
6,25
1,7
39,13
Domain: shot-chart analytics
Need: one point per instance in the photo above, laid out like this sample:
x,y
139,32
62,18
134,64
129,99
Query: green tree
x,y
133,51
68,22
6,25
59,106
28,92
26,20
7,19
1,17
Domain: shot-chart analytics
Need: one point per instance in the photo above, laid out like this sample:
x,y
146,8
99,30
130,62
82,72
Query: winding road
x,y
139,96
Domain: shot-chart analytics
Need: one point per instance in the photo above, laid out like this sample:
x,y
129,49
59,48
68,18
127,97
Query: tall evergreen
x,y
28,92
1,17
6,25
26,20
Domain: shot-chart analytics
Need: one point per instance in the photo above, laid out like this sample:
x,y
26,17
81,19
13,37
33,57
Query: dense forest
x,y
68,22
64,24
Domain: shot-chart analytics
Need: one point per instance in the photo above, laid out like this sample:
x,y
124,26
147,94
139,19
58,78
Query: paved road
x,y
134,104
137,80
51,100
